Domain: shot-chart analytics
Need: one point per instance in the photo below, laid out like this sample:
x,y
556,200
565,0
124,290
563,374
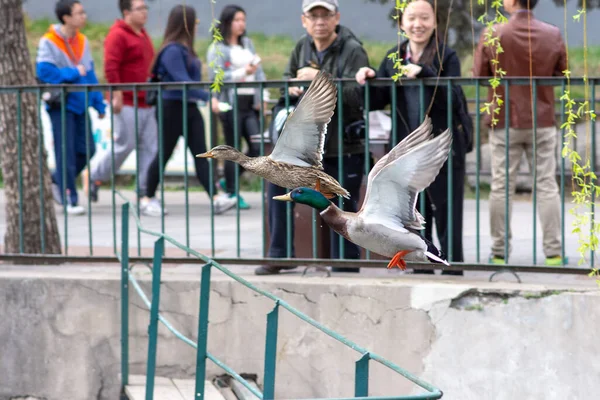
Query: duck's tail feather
x,y
434,254
343,192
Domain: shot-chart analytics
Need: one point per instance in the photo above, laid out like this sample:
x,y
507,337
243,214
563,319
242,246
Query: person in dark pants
x,y
425,55
177,62
75,143
238,59
334,48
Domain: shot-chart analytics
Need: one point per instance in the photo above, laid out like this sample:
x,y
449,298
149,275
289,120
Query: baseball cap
x,y
331,5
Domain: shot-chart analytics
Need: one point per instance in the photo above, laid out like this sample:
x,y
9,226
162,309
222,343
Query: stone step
x,y
169,389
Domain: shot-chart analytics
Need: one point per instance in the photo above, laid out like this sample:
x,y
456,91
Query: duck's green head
x,y
306,196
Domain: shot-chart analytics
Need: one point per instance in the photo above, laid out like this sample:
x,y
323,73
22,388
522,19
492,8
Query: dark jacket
x,y
407,101
548,58
343,59
177,64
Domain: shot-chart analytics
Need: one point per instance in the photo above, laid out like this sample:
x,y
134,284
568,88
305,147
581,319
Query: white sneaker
x,y
223,203
75,210
56,195
151,207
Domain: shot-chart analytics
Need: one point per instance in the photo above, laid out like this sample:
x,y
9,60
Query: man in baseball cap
x,y
331,5
330,47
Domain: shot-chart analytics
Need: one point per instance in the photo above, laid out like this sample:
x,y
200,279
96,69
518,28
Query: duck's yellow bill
x,y
208,154
283,197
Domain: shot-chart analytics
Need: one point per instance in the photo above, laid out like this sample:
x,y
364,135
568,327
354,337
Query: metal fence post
x,y
202,331
361,377
271,353
125,295
159,246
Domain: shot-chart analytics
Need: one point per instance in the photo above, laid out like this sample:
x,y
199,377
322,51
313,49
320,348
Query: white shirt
x,y
240,57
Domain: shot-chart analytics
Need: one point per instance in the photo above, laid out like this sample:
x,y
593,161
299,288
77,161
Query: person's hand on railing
x,y
295,90
363,74
412,70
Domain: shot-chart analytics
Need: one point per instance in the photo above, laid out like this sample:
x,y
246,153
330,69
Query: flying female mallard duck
x,y
388,221
296,159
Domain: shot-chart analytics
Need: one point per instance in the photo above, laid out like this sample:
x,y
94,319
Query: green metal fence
x,y
361,380
479,85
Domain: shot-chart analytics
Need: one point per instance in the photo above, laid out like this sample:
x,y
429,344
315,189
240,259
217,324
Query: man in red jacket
x,y
128,55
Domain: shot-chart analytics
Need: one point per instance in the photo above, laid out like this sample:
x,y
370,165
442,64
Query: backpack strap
x,y
154,71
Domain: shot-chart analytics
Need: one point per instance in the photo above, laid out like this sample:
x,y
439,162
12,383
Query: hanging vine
x,y
395,56
583,181
216,38
493,42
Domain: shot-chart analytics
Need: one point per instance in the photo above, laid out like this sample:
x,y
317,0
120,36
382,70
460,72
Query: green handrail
x,y
361,368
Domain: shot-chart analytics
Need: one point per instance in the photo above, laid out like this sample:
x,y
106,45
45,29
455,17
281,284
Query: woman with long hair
x,y
240,62
176,61
425,55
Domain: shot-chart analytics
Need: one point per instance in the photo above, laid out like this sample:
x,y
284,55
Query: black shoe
x,y
423,271
460,273
93,192
269,270
338,269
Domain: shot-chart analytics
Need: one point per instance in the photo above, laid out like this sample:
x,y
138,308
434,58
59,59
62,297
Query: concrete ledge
x,y
61,333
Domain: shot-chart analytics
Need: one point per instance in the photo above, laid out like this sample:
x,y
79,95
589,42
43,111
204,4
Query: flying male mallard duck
x,y
388,221
296,158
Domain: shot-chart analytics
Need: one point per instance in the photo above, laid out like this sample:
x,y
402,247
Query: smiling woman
x,y
426,55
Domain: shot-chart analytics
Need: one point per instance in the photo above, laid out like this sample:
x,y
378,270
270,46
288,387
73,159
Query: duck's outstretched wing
x,y
392,191
303,135
418,136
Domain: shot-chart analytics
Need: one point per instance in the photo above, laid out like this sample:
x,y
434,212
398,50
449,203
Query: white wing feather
x,y
392,191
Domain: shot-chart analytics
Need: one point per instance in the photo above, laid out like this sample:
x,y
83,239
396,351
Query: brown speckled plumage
x,y
296,159
291,176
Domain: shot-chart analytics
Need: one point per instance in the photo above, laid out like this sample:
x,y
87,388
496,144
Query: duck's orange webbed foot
x,y
397,260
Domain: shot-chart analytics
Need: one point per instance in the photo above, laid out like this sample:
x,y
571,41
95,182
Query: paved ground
x,y
251,232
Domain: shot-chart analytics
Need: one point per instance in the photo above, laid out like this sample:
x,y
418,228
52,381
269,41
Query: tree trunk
x,y
16,69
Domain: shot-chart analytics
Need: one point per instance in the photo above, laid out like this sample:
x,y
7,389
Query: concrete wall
x,y
59,336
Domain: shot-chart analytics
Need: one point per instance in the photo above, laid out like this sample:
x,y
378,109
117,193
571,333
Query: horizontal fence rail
x,y
374,148
362,364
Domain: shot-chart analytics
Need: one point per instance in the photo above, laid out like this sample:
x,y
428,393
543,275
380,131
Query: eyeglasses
x,y
141,8
324,17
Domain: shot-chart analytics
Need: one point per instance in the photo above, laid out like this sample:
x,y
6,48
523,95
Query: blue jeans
x,y
75,149
354,167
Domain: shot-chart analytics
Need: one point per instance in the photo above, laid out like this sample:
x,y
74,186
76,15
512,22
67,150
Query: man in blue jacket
x,y
64,56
